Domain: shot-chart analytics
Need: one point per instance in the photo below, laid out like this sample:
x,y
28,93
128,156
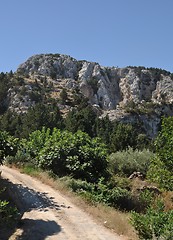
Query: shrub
x,y
154,224
123,136
78,185
164,143
119,181
63,96
8,145
74,154
143,200
160,170
102,192
158,173
127,161
7,213
93,82
115,197
36,142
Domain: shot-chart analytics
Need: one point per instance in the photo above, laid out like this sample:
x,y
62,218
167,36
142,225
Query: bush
x,y
155,224
64,154
164,143
128,161
160,170
80,185
122,137
7,213
8,145
158,173
114,197
143,199
102,192
74,154
36,142
119,181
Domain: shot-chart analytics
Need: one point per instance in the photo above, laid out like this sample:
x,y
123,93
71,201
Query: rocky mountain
x,y
129,94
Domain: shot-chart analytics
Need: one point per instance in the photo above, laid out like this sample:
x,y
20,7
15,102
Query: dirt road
x,y
47,214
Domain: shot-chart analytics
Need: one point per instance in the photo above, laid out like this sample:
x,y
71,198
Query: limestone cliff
x,y
127,94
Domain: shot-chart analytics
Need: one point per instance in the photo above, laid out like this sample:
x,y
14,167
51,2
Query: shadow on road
x,y
26,200
37,229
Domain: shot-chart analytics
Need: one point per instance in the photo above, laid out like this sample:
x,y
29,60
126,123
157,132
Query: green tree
x,y
81,119
93,82
63,96
79,100
156,223
164,143
4,86
104,128
36,142
160,174
41,115
122,137
160,170
11,122
8,145
74,154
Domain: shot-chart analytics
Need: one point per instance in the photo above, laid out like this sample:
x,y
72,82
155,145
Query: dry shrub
x,y
168,200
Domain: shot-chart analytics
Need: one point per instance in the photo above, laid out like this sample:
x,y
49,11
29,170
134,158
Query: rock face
x,y
129,94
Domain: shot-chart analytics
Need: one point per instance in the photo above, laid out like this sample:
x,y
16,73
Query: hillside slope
x,y
131,94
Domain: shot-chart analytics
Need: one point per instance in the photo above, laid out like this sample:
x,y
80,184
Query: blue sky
x,y
110,32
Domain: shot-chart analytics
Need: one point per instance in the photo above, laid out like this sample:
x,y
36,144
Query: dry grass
x,y
113,219
168,200
55,95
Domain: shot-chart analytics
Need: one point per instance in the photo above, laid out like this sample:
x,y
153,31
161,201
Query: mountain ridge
x,y
127,94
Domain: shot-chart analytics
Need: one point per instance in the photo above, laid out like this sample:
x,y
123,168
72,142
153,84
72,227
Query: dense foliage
x,y
161,167
74,154
45,112
4,85
155,223
102,192
65,153
96,156
7,213
83,119
8,145
164,142
94,176
128,161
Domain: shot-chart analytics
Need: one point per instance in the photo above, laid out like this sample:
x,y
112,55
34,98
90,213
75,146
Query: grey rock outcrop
x,y
126,94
